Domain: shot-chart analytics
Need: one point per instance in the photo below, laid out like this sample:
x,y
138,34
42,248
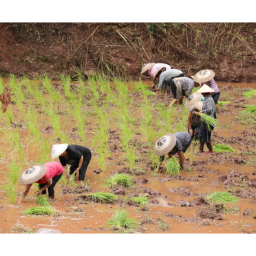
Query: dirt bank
x,y
119,49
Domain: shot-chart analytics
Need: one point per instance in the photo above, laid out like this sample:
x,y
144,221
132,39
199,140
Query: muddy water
x,y
92,217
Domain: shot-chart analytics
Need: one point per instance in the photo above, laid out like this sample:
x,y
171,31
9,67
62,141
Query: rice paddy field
x,y
119,121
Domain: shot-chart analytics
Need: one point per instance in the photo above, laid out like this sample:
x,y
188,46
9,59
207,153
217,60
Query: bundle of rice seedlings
x,y
173,166
222,148
250,109
102,196
120,221
249,94
43,201
221,103
39,210
119,179
149,93
72,180
140,200
210,121
222,197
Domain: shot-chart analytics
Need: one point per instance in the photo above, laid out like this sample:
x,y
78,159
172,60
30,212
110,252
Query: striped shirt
x,y
166,75
187,84
211,84
152,71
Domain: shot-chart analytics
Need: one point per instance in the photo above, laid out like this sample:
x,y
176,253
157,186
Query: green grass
x,y
221,103
43,201
222,148
209,121
249,94
103,197
250,109
163,225
119,179
140,200
39,210
173,166
222,197
72,180
121,222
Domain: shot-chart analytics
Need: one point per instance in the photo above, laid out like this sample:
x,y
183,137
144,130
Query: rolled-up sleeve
x,y
161,81
161,158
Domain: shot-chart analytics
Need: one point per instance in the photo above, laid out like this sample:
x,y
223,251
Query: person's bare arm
x,y
182,159
158,165
173,102
189,123
48,184
23,195
79,165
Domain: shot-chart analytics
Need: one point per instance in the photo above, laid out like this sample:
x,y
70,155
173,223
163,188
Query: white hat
x,y
203,76
32,174
147,67
192,99
198,105
165,144
58,149
204,89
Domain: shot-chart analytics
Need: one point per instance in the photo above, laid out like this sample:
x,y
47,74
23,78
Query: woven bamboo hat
x,y
58,149
165,144
204,89
194,97
198,105
32,174
203,76
160,70
147,67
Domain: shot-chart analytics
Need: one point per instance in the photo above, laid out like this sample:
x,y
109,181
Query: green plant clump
x,y
250,109
249,94
173,166
102,196
119,179
221,103
43,201
222,148
222,197
210,121
120,221
39,210
140,200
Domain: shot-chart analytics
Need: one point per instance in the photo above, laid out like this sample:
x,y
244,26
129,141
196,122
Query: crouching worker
x,y
171,144
46,176
77,156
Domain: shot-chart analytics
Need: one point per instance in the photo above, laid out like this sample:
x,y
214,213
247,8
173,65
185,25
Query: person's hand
x,y
156,94
200,112
20,200
77,172
191,132
37,193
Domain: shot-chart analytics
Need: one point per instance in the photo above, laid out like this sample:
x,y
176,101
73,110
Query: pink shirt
x,y
53,169
152,71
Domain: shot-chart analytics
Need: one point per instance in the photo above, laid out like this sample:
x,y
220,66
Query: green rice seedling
x,y
140,200
150,134
1,85
100,152
103,197
195,89
13,170
173,166
55,121
222,197
18,145
131,155
119,179
66,84
22,229
222,148
209,121
10,190
250,109
72,182
39,210
43,201
153,158
63,180
250,94
32,123
121,221
163,225
45,147
47,84
222,103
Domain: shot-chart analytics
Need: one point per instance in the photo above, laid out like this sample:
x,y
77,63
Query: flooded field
x,y
119,122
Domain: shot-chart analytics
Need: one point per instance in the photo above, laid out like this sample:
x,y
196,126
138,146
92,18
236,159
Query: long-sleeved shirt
x,y
213,85
187,84
152,71
183,140
166,75
209,106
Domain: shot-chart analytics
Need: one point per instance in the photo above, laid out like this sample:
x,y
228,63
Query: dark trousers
x,y
55,179
169,84
83,168
215,97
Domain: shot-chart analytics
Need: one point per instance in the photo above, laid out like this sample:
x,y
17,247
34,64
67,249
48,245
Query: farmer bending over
x,y
77,156
180,86
206,77
208,108
46,176
171,144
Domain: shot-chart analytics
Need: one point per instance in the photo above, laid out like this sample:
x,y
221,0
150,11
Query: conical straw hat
x,y
165,144
32,174
203,76
198,105
147,67
154,79
58,149
192,99
204,89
